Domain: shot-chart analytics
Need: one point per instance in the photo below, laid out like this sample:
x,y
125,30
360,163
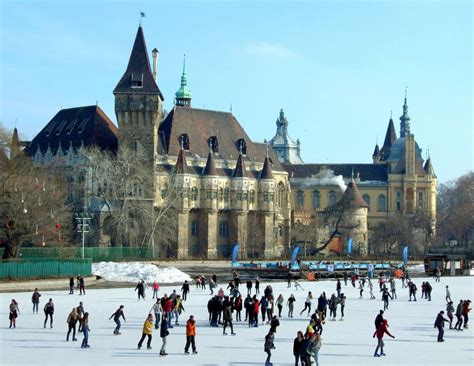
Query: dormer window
x,y
213,144
184,141
242,146
137,80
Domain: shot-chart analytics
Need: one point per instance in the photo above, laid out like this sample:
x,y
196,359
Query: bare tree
x,y
32,206
388,236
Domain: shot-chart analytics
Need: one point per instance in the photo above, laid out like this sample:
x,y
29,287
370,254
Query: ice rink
x,y
347,342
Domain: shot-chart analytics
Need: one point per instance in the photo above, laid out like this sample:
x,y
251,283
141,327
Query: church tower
x,y
287,150
183,95
139,102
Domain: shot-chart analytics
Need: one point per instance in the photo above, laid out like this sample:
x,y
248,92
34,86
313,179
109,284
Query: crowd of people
x,y
264,310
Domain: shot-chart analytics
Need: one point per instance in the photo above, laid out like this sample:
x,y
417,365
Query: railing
x,y
44,267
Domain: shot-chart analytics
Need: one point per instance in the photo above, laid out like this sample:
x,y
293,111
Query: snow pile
x,y
417,268
135,271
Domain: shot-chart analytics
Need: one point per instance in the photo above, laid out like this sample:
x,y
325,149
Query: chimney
x,y
155,54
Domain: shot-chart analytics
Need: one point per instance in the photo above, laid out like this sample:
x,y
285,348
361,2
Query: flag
x,y
349,246
405,254
235,252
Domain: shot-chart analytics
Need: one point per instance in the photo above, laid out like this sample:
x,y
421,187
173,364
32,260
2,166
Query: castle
x,y
230,188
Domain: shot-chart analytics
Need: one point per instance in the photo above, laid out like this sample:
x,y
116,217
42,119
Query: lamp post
x,y
83,225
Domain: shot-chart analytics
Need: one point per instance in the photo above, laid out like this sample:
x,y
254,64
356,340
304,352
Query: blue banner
x,y
349,246
405,254
235,252
294,254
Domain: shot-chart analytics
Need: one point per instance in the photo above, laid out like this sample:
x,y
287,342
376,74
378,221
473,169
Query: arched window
x,y
300,199
242,146
213,143
280,194
381,203
366,198
316,199
184,141
252,196
221,194
226,194
332,198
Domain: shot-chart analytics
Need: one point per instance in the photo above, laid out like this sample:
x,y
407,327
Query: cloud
x,y
268,50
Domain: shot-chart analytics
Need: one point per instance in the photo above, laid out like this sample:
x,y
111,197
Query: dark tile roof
x,y
210,168
181,166
352,197
138,66
367,172
239,171
267,170
390,137
428,168
82,125
376,151
199,125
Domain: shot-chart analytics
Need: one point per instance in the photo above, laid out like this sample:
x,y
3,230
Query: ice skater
x,y
371,290
71,321
381,330
227,317
393,288
297,285
279,302
14,311
297,343
117,315
448,295
268,347
85,331
156,288
439,323
185,290
82,286
147,332
290,303
385,297
35,299
307,303
157,310
190,335
412,290
164,333
450,312
338,288
458,314
141,289
71,285
48,312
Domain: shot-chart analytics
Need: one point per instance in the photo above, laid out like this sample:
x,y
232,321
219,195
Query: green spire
x,y
183,95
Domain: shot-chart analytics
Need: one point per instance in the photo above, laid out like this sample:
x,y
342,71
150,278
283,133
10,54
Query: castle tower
x,y
390,138
182,184
183,95
209,185
138,102
266,192
287,150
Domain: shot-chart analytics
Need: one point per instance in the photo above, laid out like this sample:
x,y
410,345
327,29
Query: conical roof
x,y
138,69
390,138
352,197
267,172
376,151
239,171
428,168
181,166
210,169
183,92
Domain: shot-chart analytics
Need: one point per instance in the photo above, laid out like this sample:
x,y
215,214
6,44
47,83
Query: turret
x,y
183,95
376,154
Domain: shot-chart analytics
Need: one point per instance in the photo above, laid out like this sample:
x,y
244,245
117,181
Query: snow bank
x,y
135,271
417,268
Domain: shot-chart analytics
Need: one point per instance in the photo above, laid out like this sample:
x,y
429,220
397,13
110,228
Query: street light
x,y
83,226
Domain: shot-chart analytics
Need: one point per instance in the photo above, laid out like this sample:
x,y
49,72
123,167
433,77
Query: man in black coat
x,y
439,323
378,319
185,290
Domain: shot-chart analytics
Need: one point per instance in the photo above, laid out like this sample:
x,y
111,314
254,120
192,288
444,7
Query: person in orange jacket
x,y
381,330
147,331
190,335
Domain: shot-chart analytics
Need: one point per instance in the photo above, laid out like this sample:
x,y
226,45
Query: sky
x,y
337,68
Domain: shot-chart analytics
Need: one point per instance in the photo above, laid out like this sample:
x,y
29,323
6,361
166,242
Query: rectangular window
x,y
223,229
399,201
209,195
194,228
265,197
239,196
420,200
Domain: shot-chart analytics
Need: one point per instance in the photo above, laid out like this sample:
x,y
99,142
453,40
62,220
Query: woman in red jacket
x,y
381,330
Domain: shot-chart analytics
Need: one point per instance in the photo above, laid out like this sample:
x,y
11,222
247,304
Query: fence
x,y
96,254
44,267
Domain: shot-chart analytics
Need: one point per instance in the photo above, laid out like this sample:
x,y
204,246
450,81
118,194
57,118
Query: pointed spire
x,y
181,166
428,167
376,151
239,171
352,197
267,172
15,146
183,95
390,138
138,77
210,169
405,119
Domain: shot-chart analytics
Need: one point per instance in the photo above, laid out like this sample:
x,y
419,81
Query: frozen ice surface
x,y
347,342
136,271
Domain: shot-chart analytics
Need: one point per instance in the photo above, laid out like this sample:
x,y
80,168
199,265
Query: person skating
x,y
305,358
450,312
164,332
342,302
238,308
268,347
256,309
428,290
297,343
279,302
249,287
313,347
156,288
338,288
465,312
381,330
412,290
117,315
439,323
385,297
85,331
82,286
288,279
393,288
307,303
80,313
227,317
257,286
147,332
157,310
345,278
212,286
71,321
48,312
270,308
322,303
371,290
361,289
177,309
458,325
190,335
290,303
35,299
14,311
71,285
185,290
448,295
333,307
141,289
263,308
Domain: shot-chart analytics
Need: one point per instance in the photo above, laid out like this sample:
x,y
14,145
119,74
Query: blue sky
x,y
337,68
